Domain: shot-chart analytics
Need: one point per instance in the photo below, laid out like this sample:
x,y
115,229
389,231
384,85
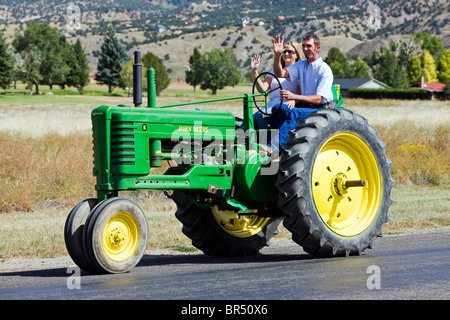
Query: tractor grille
x,y
122,143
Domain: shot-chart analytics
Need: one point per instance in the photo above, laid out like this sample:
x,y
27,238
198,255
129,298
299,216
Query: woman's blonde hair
x,y
296,47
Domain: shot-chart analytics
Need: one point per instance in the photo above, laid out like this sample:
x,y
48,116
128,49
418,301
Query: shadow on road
x,y
149,260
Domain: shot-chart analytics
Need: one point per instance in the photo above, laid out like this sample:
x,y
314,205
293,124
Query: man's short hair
x,y
314,37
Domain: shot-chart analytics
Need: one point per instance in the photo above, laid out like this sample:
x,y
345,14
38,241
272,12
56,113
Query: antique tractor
x,y
331,184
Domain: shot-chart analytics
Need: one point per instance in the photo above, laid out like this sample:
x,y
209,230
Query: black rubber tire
x,y
73,234
200,226
294,183
92,237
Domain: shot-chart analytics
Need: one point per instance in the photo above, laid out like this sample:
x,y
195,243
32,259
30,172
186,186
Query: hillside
x,y
245,26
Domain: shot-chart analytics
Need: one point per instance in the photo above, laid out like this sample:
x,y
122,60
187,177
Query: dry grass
x,y
52,170
418,208
420,156
46,168
40,233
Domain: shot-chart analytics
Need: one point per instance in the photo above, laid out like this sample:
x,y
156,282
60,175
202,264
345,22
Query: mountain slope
x,y
245,26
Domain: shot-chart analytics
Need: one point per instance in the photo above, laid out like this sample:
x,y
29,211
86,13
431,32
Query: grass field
x,y
46,166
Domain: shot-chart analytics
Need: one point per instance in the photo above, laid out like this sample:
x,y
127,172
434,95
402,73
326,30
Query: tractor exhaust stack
x,y
137,79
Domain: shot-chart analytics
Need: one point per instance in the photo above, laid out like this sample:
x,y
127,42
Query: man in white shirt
x,y
315,79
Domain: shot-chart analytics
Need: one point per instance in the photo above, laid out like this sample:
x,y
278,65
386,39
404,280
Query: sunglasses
x,y
289,51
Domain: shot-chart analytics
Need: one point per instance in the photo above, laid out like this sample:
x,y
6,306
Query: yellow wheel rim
x,y
120,237
346,210
239,224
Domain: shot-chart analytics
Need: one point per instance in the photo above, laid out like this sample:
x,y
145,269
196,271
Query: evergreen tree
x,y
112,57
194,74
149,60
6,64
79,68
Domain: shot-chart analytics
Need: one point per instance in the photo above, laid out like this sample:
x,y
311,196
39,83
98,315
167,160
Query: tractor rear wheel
x,y
224,233
334,183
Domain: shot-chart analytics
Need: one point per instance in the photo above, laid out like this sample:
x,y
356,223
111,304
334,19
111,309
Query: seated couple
x,y
306,87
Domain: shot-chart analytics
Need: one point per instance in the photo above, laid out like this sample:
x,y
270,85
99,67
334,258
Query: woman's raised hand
x,y
255,62
278,45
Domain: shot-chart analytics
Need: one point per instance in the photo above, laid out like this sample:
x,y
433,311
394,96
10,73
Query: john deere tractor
x,y
330,185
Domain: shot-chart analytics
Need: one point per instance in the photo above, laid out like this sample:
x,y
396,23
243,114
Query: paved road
x,y
415,266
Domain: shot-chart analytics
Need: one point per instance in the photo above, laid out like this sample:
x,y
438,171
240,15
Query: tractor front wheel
x,y
73,234
115,236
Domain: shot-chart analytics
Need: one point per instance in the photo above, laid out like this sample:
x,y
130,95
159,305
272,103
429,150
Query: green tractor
x,y
330,186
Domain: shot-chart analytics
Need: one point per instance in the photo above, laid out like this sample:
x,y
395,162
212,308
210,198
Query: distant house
x,y
245,21
160,28
347,84
436,89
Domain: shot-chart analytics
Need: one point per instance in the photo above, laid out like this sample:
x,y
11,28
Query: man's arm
x,y
313,99
323,91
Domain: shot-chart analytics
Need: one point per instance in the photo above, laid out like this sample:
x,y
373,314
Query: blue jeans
x,y
286,120
261,122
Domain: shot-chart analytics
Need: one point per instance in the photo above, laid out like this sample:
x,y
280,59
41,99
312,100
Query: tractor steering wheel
x,y
265,94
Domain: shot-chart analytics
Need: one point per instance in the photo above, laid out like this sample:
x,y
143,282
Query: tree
x,y
414,69
358,69
126,76
337,62
444,67
193,74
346,65
6,64
433,44
386,69
429,66
79,68
162,81
112,57
405,48
335,55
219,70
44,60
19,65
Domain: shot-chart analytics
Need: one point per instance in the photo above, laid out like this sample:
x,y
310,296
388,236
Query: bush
x,y
403,94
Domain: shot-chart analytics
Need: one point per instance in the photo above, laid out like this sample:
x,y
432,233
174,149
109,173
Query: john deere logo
x,y
192,129
144,127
